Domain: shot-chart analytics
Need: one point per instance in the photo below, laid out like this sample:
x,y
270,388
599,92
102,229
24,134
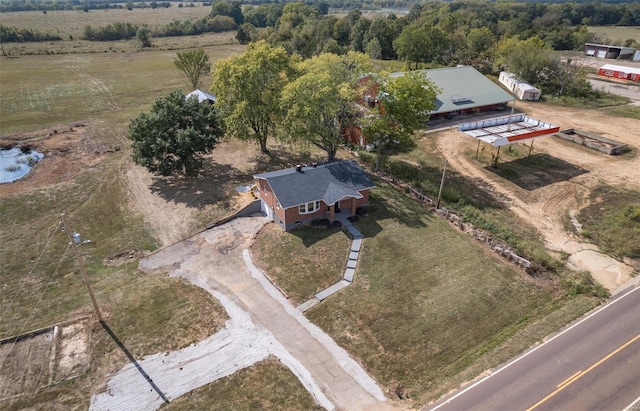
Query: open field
x,y
614,33
70,23
71,88
612,221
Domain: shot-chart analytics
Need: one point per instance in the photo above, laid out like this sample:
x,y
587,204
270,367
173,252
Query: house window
x,y
308,208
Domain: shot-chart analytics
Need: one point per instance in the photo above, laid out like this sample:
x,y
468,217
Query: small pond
x,y
15,164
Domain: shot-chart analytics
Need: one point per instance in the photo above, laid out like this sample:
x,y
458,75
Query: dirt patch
x,y
172,207
44,357
68,151
124,257
545,206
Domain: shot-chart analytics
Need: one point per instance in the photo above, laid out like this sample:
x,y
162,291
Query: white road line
x,y
634,403
535,349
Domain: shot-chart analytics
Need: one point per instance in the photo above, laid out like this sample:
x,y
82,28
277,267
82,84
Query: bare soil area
x,y
47,357
68,151
547,206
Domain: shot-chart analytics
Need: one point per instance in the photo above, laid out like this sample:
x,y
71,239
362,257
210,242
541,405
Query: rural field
x,y
69,26
616,33
430,307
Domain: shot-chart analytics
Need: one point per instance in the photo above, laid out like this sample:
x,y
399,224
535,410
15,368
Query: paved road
x,y
626,90
592,365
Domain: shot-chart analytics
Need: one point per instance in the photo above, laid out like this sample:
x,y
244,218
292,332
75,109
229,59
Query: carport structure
x,y
502,131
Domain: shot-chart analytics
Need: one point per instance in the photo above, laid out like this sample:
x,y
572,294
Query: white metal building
x,y
522,89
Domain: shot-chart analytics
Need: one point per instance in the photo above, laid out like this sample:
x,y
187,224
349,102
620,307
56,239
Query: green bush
x,y
581,283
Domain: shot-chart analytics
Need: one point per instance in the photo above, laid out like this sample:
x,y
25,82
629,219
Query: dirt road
x,y
545,207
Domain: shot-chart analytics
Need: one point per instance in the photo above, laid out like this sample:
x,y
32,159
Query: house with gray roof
x,y
297,195
464,90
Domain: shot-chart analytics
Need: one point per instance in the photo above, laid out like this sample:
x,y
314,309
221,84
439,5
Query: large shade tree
x,y
248,90
404,103
534,61
320,103
193,63
175,135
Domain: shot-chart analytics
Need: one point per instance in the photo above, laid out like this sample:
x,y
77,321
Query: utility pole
x,y
84,274
444,171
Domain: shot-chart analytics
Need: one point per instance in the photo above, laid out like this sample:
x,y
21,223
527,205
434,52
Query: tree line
x,y
23,35
81,5
266,94
489,36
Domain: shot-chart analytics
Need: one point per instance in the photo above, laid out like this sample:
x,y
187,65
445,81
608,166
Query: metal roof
x,y
502,131
623,69
463,87
329,182
201,95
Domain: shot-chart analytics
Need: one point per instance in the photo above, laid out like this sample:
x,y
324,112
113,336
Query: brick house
x,y
301,194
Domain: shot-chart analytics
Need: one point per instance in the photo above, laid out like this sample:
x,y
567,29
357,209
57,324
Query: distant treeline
x,y
82,5
125,31
110,32
22,35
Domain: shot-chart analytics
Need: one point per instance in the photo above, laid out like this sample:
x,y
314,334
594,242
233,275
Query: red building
x,y
620,72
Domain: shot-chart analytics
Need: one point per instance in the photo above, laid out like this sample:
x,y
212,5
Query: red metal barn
x,y
620,72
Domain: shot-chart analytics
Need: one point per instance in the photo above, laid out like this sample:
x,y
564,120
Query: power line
x,y
22,281
24,326
74,240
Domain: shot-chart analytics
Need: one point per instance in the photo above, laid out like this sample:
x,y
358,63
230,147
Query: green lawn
x,y
626,111
317,256
427,302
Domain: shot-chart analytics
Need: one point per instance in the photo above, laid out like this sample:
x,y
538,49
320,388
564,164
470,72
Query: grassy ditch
x,y
427,303
612,221
625,111
598,99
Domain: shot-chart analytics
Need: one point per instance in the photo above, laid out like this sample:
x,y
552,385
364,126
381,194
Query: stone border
x,y
593,141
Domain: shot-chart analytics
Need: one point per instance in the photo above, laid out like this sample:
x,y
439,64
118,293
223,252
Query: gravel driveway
x,y
262,323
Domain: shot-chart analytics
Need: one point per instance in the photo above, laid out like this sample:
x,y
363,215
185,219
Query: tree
x,y
248,90
320,103
421,44
175,134
223,8
246,33
193,64
404,102
143,34
527,59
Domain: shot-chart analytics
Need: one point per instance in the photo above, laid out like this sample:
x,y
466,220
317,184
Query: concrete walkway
x,y
219,261
349,272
